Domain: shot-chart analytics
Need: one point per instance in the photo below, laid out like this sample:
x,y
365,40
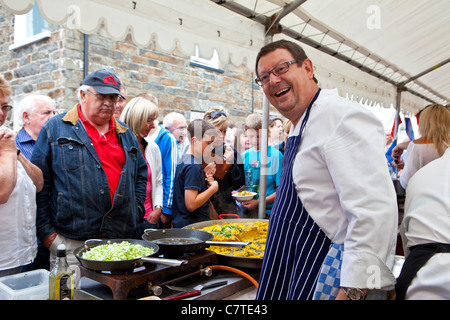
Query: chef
x,y
333,226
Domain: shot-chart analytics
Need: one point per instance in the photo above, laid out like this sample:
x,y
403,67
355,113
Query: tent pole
x,y
397,116
264,141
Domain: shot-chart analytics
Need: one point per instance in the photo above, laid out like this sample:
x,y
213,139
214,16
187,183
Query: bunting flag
x,y
389,153
393,126
409,129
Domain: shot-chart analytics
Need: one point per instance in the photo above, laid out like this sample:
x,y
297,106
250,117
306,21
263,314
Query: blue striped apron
x,y
296,247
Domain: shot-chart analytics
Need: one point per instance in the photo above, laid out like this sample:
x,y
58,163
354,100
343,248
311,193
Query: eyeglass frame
x,y
258,80
103,97
7,106
181,128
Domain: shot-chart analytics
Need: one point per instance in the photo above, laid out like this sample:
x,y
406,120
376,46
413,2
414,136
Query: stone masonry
x,y
54,66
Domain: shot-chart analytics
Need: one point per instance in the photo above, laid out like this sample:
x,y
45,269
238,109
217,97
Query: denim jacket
x,y
75,201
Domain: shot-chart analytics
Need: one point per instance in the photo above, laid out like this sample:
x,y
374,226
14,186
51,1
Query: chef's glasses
x,y
280,69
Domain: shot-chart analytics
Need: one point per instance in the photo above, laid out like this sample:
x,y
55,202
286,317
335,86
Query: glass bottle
x,y
61,278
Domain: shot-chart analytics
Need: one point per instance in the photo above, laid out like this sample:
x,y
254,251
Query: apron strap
x,y
417,258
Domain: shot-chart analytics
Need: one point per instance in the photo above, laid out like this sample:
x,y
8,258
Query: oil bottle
x,y
61,278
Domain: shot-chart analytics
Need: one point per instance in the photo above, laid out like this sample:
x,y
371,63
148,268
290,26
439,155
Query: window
x,y
212,64
29,28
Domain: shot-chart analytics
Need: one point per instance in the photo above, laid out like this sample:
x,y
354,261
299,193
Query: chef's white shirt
x,y
18,243
342,179
427,220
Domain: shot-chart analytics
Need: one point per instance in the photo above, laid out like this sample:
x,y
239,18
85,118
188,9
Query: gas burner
x,y
152,276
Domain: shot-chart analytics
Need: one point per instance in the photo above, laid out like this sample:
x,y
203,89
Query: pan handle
x,y
224,215
184,295
228,243
92,241
167,262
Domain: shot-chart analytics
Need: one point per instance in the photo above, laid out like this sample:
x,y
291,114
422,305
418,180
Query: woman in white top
x,y
19,181
140,114
434,126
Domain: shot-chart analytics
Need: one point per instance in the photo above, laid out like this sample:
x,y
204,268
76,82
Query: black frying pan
x,y
176,241
122,265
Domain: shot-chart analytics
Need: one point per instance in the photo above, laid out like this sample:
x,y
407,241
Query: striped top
x,y
25,143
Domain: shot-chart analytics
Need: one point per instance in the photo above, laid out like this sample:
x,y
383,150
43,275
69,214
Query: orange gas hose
x,y
242,273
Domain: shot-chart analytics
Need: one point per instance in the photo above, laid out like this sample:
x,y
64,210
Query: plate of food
x,y
244,195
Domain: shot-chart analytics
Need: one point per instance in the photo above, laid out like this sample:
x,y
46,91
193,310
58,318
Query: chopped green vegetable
x,y
117,251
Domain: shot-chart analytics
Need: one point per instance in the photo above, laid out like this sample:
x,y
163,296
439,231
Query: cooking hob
x,y
149,279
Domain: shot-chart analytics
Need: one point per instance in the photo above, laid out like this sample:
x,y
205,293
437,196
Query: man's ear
x,y
308,65
83,95
25,117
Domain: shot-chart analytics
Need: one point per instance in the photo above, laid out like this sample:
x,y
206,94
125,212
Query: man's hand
x,y
49,240
154,216
250,204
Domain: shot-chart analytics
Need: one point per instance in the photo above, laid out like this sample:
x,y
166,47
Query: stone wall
x,y
54,67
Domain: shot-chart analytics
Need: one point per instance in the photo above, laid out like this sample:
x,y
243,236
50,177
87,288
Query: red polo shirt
x,y
109,151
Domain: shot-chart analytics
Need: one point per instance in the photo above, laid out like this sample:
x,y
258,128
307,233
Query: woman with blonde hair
x,y
434,127
140,114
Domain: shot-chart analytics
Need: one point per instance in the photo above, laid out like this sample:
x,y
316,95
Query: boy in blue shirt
x,y
193,188
252,165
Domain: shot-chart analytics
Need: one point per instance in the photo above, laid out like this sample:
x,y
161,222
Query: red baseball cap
x,y
104,82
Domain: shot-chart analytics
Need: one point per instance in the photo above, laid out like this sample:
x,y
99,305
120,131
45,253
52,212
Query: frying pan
x,y
122,265
176,241
229,259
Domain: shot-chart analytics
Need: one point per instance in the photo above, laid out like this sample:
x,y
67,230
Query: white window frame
x,y
22,24
212,64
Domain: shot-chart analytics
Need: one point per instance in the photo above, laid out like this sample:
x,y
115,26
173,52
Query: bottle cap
x,y
61,250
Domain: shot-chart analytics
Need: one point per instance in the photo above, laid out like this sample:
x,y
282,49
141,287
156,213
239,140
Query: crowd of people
x,y
108,168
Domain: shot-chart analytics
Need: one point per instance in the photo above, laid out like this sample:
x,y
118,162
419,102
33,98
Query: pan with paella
x,y
253,230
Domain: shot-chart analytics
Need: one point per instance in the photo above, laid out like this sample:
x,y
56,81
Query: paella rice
x,y
255,232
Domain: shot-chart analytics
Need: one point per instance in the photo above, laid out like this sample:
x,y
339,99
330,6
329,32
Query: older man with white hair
x,y
34,110
176,123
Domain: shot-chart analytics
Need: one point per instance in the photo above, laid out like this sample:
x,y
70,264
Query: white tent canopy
x,y
365,48
392,40
175,24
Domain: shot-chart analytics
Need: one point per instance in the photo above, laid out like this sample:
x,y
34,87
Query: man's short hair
x,y
296,50
199,127
253,122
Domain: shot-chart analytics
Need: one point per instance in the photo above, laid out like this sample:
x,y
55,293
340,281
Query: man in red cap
x,y
95,175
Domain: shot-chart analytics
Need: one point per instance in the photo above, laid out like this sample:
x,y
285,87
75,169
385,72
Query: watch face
x,y
354,293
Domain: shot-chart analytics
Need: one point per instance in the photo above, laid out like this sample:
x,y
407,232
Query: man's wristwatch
x,y
354,293
158,207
